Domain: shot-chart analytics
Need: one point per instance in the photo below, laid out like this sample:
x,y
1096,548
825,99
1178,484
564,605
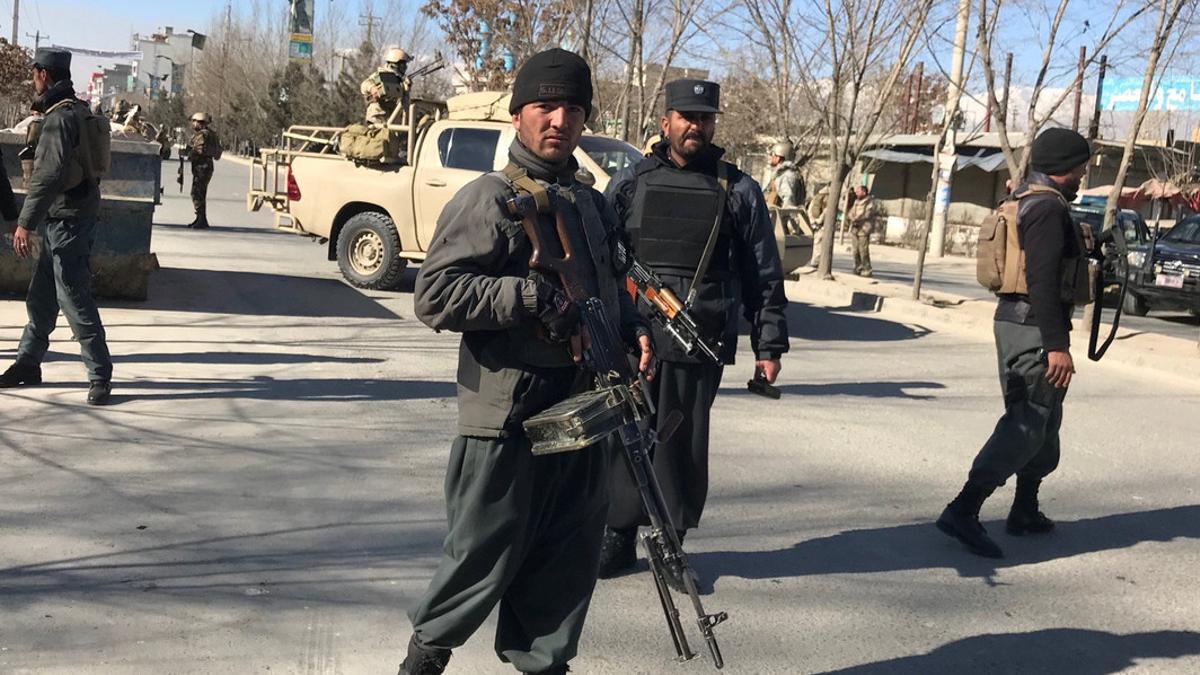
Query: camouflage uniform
x,y
816,218
203,147
862,217
382,91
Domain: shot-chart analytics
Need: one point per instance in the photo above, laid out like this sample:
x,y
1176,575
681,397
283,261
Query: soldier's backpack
x,y
94,153
999,260
372,144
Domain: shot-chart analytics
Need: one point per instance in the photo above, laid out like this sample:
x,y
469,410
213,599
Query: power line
x,y
37,38
368,20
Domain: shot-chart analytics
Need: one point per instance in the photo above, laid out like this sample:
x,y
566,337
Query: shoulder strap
x,y
61,104
706,258
521,181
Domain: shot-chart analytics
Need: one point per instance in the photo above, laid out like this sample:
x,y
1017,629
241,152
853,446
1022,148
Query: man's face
x,y
550,129
196,125
860,192
41,81
774,160
1071,181
690,133
399,67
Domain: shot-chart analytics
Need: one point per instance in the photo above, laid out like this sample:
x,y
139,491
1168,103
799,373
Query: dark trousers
x,y
62,279
202,173
681,463
524,532
1025,441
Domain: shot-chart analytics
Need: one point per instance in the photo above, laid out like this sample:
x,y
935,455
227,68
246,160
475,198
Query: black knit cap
x,y
52,59
1058,151
553,75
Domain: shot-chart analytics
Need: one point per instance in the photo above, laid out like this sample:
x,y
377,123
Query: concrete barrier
x,y
121,258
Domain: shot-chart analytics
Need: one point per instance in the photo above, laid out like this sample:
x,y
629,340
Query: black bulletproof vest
x,y
672,217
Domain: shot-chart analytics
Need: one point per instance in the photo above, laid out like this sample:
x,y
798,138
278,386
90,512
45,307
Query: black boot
x,y
961,520
99,392
201,221
422,660
21,375
552,670
618,552
1024,517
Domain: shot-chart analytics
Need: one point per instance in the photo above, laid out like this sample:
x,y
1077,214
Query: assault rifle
x,y
179,177
437,65
669,311
624,403
1114,237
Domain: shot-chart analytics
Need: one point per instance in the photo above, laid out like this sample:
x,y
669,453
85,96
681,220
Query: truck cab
x,y
375,217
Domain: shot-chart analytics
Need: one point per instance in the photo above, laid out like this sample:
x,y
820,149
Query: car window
x,y
469,149
612,155
1186,231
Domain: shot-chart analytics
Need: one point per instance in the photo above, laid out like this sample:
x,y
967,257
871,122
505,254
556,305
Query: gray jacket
x,y
57,190
475,281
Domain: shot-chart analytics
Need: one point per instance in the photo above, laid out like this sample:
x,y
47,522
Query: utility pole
x,y
368,21
37,39
1079,88
16,20
1007,82
1093,131
918,87
949,153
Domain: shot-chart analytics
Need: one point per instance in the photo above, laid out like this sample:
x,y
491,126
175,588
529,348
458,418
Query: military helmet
x,y
202,117
783,149
396,55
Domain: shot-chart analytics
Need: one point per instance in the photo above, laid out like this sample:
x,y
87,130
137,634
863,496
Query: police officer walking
x,y
202,150
703,226
387,87
524,530
1038,293
61,203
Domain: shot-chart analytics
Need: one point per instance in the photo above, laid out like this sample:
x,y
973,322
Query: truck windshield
x,y
612,155
1186,231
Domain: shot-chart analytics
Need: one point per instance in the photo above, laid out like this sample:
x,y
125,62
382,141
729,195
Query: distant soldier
x,y
816,218
388,87
120,111
786,188
862,217
201,151
61,203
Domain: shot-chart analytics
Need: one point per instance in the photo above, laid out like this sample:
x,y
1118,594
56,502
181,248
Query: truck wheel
x,y
1135,305
368,251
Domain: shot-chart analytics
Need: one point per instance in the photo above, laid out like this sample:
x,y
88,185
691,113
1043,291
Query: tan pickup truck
x,y
375,218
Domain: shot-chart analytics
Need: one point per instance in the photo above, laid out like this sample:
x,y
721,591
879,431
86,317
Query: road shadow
x,y
864,389
920,546
256,294
1055,650
810,322
234,358
266,388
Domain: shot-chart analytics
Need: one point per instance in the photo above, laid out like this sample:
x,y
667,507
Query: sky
x,y
108,24
104,24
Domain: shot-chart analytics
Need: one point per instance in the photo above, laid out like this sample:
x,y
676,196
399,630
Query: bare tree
x,y
855,52
1039,111
1169,12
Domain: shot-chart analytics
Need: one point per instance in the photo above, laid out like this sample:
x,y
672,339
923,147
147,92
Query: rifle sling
x,y
706,257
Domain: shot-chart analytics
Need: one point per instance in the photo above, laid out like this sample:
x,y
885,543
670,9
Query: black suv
x,y
1172,279
1137,235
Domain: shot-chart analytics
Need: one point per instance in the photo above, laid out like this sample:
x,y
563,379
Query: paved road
x,y
956,275
265,496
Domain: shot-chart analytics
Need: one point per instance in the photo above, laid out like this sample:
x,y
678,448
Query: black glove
x,y
557,313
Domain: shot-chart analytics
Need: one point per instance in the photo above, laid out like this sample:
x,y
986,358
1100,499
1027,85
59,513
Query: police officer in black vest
x,y
703,226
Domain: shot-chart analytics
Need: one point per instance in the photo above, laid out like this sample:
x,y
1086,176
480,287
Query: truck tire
x,y
1135,305
368,251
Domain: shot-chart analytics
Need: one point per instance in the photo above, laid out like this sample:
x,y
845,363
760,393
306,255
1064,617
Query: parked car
x,y
1171,279
1137,234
